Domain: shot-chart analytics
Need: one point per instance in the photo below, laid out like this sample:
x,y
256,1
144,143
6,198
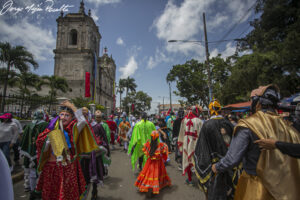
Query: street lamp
x,y
207,56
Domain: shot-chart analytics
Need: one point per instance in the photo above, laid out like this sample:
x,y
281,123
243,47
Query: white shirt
x,y
9,132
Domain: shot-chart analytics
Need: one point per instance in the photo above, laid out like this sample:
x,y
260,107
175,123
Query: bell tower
x,y
77,50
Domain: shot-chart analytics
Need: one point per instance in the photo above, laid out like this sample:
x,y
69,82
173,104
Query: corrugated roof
x,y
238,105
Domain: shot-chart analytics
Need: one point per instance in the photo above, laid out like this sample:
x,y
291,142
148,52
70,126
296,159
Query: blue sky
x,y
135,32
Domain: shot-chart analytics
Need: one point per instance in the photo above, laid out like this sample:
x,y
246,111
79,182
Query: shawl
x,y
209,149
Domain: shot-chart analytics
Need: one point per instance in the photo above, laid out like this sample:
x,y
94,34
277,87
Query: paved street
x,y
119,184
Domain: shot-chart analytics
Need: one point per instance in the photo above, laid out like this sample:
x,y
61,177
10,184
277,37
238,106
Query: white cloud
x,y
40,42
120,41
95,17
185,22
158,58
129,68
229,51
103,2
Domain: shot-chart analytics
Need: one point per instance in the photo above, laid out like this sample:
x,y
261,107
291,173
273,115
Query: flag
x,y
87,85
168,113
132,107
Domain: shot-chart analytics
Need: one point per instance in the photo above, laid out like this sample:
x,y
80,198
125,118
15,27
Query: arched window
x,y
73,37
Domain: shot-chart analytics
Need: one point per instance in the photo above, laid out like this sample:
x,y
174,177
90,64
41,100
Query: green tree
x,y
129,85
191,81
140,100
14,57
80,102
24,81
55,84
275,38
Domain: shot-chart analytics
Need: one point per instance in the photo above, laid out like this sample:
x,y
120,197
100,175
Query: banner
x,y
87,85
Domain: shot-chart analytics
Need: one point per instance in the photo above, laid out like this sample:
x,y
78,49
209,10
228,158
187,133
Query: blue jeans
x,y
4,146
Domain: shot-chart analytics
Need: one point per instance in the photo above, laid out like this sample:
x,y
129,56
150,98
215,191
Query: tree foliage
x,y
15,57
140,100
270,53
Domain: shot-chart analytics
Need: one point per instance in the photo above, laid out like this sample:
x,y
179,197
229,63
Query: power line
x,y
237,23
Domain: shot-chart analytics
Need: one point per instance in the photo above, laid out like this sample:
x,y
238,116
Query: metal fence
x,y
23,107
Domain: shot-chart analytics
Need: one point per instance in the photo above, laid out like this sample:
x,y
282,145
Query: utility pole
x,y
163,104
207,60
170,96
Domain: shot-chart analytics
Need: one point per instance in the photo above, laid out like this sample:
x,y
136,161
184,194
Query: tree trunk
x,y
120,101
5,88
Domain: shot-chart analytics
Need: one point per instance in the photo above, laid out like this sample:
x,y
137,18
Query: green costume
x,y
140,135
28,149
107,130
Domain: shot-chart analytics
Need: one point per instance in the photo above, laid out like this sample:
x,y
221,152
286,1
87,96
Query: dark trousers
x,y
141,159
16,151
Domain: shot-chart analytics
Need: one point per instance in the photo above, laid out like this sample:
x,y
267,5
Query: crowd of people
x,y
253,157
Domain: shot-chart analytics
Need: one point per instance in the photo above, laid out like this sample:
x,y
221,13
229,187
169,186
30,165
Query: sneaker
x,y
179,167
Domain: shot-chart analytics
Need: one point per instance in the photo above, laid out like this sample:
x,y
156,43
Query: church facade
x,y
77,59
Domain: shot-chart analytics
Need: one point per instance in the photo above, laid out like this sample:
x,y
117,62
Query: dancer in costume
x,y
113,130
267,174
101,119
187,140
123,129
58,151
92,163
28,148
170,123
140,135
176,129
212,145
154,175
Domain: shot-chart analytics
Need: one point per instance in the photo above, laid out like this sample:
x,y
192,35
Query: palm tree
x,y
23,81
129,85
14,57
55,83
121,89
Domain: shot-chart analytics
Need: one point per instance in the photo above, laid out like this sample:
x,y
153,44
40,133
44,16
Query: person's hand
x,y
213,168
11,145
266,144
69,105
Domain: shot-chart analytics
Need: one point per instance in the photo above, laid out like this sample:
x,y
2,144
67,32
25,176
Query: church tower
x,y
77,50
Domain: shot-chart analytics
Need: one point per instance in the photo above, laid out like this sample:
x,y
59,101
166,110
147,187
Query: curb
x,y
17,177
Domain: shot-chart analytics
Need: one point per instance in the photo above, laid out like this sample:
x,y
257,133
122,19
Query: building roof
x,y
237,105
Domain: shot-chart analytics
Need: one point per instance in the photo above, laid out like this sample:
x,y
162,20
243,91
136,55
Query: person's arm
x,y
236,151
15,133
289,149
81,121
285,147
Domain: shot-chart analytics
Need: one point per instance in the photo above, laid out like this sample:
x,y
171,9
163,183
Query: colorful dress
x,y
62,179
113,129
154,175
123,129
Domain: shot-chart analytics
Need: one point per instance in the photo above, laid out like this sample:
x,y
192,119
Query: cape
x,y
140,135
210,148
278,172
187,139
27,147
